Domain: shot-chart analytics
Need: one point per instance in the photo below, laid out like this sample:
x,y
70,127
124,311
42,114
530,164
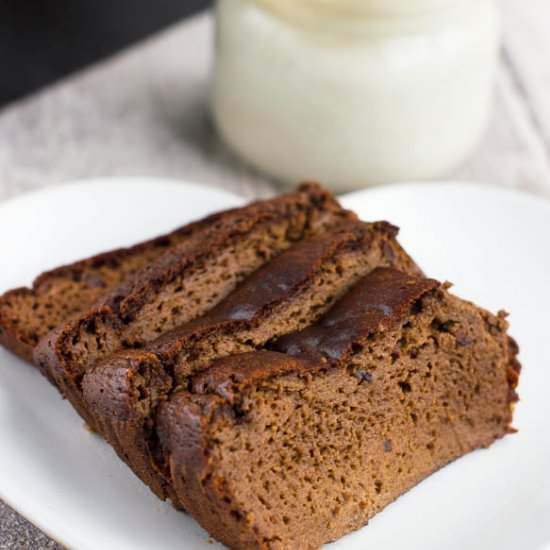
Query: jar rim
x,y
376,9
358,18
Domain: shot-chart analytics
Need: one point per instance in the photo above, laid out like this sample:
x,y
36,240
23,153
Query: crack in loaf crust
x,y
183,283
346,424
287,294
28,314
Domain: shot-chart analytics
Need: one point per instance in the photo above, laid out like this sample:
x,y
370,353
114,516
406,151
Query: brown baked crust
x,y
514,366
120,398
108,325
223,398
124,413
375,303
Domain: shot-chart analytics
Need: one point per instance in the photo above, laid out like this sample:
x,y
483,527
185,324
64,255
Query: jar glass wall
x,y
354,92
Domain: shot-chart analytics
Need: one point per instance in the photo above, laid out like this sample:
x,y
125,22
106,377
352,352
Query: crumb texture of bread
x,y
183,283
422,379
285,295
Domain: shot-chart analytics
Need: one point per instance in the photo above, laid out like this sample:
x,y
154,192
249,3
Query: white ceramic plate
x,y
493,244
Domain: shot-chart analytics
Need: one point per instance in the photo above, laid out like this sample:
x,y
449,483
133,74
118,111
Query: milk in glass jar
x,y
354,92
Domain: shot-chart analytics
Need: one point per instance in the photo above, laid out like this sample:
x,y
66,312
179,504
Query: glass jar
x,y
354,92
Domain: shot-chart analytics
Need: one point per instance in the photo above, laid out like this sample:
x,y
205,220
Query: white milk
x,y
354,92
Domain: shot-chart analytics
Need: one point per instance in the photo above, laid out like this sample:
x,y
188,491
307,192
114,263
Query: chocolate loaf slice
x,y
270,450
287,294
28,314
183,283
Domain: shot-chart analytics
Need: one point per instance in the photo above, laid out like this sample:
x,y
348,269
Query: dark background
x,y
44,40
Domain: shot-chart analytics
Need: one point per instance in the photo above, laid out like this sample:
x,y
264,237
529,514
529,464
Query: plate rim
x,y
30,194
454,186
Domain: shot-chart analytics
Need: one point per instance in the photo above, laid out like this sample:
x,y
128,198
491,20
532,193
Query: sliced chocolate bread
x,y
277,451
287,294
28,314
183,283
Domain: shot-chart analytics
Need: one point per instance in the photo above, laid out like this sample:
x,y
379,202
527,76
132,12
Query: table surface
x,y
156,123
